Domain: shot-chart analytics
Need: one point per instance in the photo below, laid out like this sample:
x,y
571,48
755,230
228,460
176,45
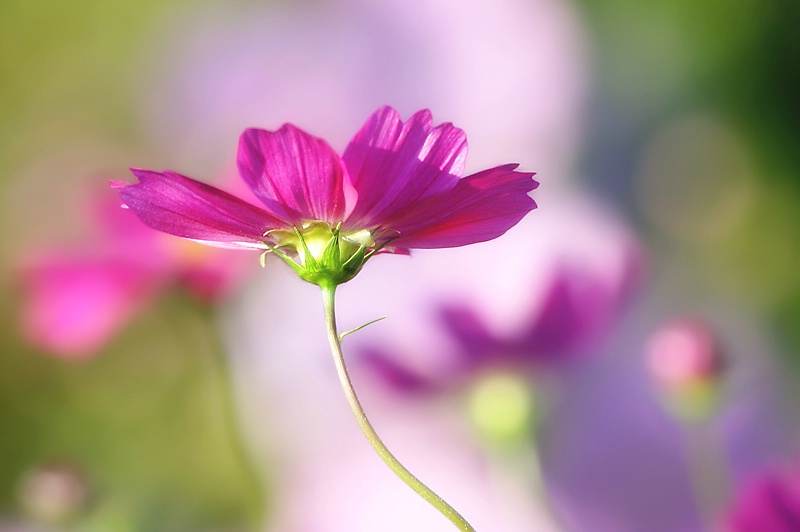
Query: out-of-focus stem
x,y
708,470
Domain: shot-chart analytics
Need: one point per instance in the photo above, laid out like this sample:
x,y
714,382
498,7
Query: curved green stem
x,y
328,295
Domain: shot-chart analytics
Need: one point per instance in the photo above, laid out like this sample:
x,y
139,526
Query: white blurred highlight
x,y
511,73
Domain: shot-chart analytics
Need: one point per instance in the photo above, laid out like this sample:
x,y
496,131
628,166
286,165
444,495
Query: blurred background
x,y
624,359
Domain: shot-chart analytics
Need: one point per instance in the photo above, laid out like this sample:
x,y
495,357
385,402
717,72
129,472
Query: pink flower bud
x,y
684,359
683,351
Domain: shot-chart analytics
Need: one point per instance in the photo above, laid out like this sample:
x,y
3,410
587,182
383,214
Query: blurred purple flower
x,y
395,183
77,298
577,305
769,502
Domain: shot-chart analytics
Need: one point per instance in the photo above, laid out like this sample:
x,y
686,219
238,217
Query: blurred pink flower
x,y
396,184
770,502
53,493
78,297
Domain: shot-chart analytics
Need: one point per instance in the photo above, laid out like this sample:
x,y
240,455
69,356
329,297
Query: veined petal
x,y
480,207
181,206
393,164
299,177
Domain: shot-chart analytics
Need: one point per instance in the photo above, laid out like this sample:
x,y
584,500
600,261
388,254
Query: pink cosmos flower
x,y
78,298
396,187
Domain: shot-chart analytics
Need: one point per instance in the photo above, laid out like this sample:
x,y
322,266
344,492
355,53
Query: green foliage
x,y
144,422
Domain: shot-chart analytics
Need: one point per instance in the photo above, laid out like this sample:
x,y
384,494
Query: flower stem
x,y
328,296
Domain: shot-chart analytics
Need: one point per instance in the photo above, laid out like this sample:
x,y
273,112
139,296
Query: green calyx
x,y
323,255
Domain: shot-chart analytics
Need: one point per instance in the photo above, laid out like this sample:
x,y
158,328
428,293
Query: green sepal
x,y
332,254
286,258
309,261
337,260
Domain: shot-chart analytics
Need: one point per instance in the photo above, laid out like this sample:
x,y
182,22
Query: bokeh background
x,y
625,359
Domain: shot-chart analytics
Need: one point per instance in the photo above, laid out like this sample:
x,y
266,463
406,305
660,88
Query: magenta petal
x,y
480,207
393,164
298,177
74,306
183,207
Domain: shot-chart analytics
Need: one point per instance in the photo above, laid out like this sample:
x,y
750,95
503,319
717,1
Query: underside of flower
x,y
321,254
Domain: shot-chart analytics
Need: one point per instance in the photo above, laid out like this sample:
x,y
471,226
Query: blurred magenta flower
x,y
769,502
396,187
78,297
